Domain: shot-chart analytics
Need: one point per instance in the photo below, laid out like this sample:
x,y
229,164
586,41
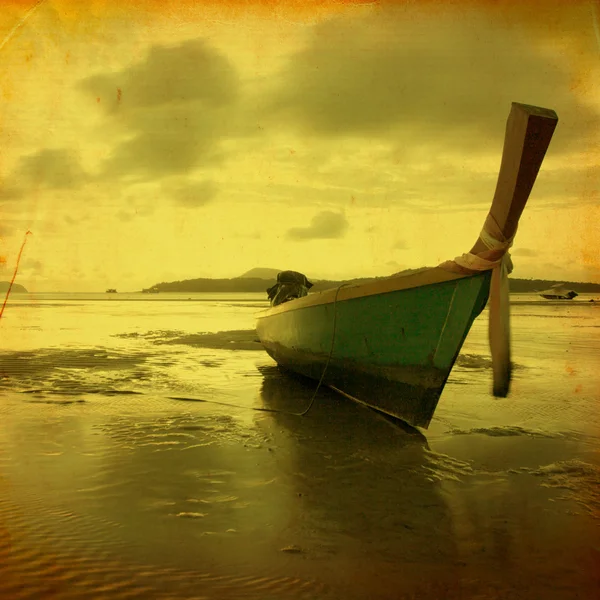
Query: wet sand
x,y
191,501
120,477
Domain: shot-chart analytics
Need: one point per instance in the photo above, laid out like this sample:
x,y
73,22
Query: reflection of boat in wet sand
x,y
345,466
558,292
283,391
392,343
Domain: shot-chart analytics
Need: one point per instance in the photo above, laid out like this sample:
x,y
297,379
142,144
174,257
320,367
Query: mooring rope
x,y
312,400
314,396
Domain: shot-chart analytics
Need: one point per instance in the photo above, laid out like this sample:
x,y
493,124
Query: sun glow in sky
x,y
144,141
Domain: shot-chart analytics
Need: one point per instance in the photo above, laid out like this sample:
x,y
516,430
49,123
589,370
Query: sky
x,y
143,141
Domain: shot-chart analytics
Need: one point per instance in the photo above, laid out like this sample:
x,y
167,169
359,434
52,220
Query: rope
x,y
312,400
314,396
493,239
499,314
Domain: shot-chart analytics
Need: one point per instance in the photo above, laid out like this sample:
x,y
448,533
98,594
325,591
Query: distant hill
x,y
16,288
260,273
237,284
252,283
523,286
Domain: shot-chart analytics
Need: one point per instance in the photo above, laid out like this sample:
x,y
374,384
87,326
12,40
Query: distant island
x,y
259,279
16,288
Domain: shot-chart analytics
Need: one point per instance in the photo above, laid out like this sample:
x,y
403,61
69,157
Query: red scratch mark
x,y
14,274
98,100
118,94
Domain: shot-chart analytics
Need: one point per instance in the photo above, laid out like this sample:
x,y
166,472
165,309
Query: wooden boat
x,y
392,343
111,291
558,292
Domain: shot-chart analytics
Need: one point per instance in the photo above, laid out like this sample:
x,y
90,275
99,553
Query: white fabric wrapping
x,y
499,315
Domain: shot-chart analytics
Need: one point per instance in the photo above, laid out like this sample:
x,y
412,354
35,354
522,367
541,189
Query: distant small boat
x,y
558,292
391,343
111,291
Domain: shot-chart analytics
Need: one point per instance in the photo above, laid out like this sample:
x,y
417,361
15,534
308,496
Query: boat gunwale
x,y
386,285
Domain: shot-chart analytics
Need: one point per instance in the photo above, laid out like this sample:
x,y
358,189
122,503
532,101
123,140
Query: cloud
x,y
135,208
191,194
189,72
400,245
393,264
9,190
48,169
171,110
32,267
408,75
324,225
564,185
15,227
52,169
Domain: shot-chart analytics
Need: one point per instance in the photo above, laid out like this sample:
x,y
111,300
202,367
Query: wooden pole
x,y
529,130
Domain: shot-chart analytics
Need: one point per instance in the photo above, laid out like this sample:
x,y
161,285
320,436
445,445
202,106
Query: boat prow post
x,y
529,130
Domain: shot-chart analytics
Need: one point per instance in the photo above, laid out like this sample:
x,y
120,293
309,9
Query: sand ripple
x,y
72,560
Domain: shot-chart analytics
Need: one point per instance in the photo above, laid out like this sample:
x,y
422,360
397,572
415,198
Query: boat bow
x,y
529,130
391,343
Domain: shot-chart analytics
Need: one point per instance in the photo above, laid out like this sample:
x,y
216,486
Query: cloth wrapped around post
x,y
290,285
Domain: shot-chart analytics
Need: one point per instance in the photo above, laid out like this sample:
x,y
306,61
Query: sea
x,y
150,448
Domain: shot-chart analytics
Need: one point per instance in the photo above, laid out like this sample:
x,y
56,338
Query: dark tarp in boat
x,y
290,285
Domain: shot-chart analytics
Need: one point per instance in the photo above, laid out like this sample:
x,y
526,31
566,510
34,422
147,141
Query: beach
x,y
148,449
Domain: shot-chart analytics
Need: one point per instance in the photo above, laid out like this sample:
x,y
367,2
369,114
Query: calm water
x,y
124,475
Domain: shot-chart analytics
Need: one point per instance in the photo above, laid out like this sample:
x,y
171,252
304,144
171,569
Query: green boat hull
x,y
392,351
